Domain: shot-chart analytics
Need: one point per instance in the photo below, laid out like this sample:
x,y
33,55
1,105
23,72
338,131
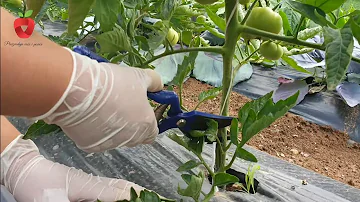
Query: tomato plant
x,y
258,32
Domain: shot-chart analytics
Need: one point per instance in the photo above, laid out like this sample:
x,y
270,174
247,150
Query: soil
x,y
291,138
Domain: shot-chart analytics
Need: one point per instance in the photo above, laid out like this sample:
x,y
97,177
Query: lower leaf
x,y
40,128
222,179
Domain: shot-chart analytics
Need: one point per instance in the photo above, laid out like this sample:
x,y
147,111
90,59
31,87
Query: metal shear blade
x,y
185,121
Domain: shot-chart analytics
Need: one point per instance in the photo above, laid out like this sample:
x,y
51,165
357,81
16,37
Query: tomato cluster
x,y
265,19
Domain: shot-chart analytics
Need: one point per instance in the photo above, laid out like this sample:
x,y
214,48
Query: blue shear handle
x,y
162,97
85,51
167,97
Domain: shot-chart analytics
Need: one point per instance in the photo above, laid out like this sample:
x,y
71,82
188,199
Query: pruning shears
x,y
176,118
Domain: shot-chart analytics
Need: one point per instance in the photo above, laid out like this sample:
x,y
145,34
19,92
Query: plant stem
x,y
206,166
231,162
248,12
288,39
213,49
298,27
231,13
260,33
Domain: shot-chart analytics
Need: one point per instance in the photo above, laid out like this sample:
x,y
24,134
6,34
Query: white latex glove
x,y
105,105
29,177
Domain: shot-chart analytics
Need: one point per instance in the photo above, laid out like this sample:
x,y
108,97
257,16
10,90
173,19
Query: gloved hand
x,y
28,176
105,105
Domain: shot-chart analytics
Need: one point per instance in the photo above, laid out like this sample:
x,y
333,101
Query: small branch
x,y
248,12
228,146
245,61
356,59
231,162
213,49
288,39
219,143
291,40
299,26
206,166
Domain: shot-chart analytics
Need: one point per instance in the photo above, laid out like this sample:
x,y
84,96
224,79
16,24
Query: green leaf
x,y
261,115
286,25
338,54
256,105
188,166
194,186
168,7
194,145
78,10
131,27
186,37
355,26
292,63
146,195
106,12
40,128
292,18
325,5
196,133
131,3
222,179
243,154
212,130
209,94
234,132
180,140
133,194
142,42
113,41
309,33
310,12
28,13
220,22
185,67
20,14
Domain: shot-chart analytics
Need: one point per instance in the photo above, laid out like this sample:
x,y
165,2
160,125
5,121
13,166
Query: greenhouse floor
x,y
291,138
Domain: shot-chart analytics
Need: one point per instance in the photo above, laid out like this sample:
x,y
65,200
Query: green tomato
x,y
271,51
172,36
244,2
265,19
204,2
201,19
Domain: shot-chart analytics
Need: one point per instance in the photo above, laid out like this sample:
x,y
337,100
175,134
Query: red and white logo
x,y
24,20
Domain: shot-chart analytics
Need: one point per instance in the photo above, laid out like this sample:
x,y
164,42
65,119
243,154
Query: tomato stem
x,y
248,12
288,39
298,27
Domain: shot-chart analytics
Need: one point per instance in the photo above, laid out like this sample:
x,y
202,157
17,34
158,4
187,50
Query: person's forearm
x,y
33,77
